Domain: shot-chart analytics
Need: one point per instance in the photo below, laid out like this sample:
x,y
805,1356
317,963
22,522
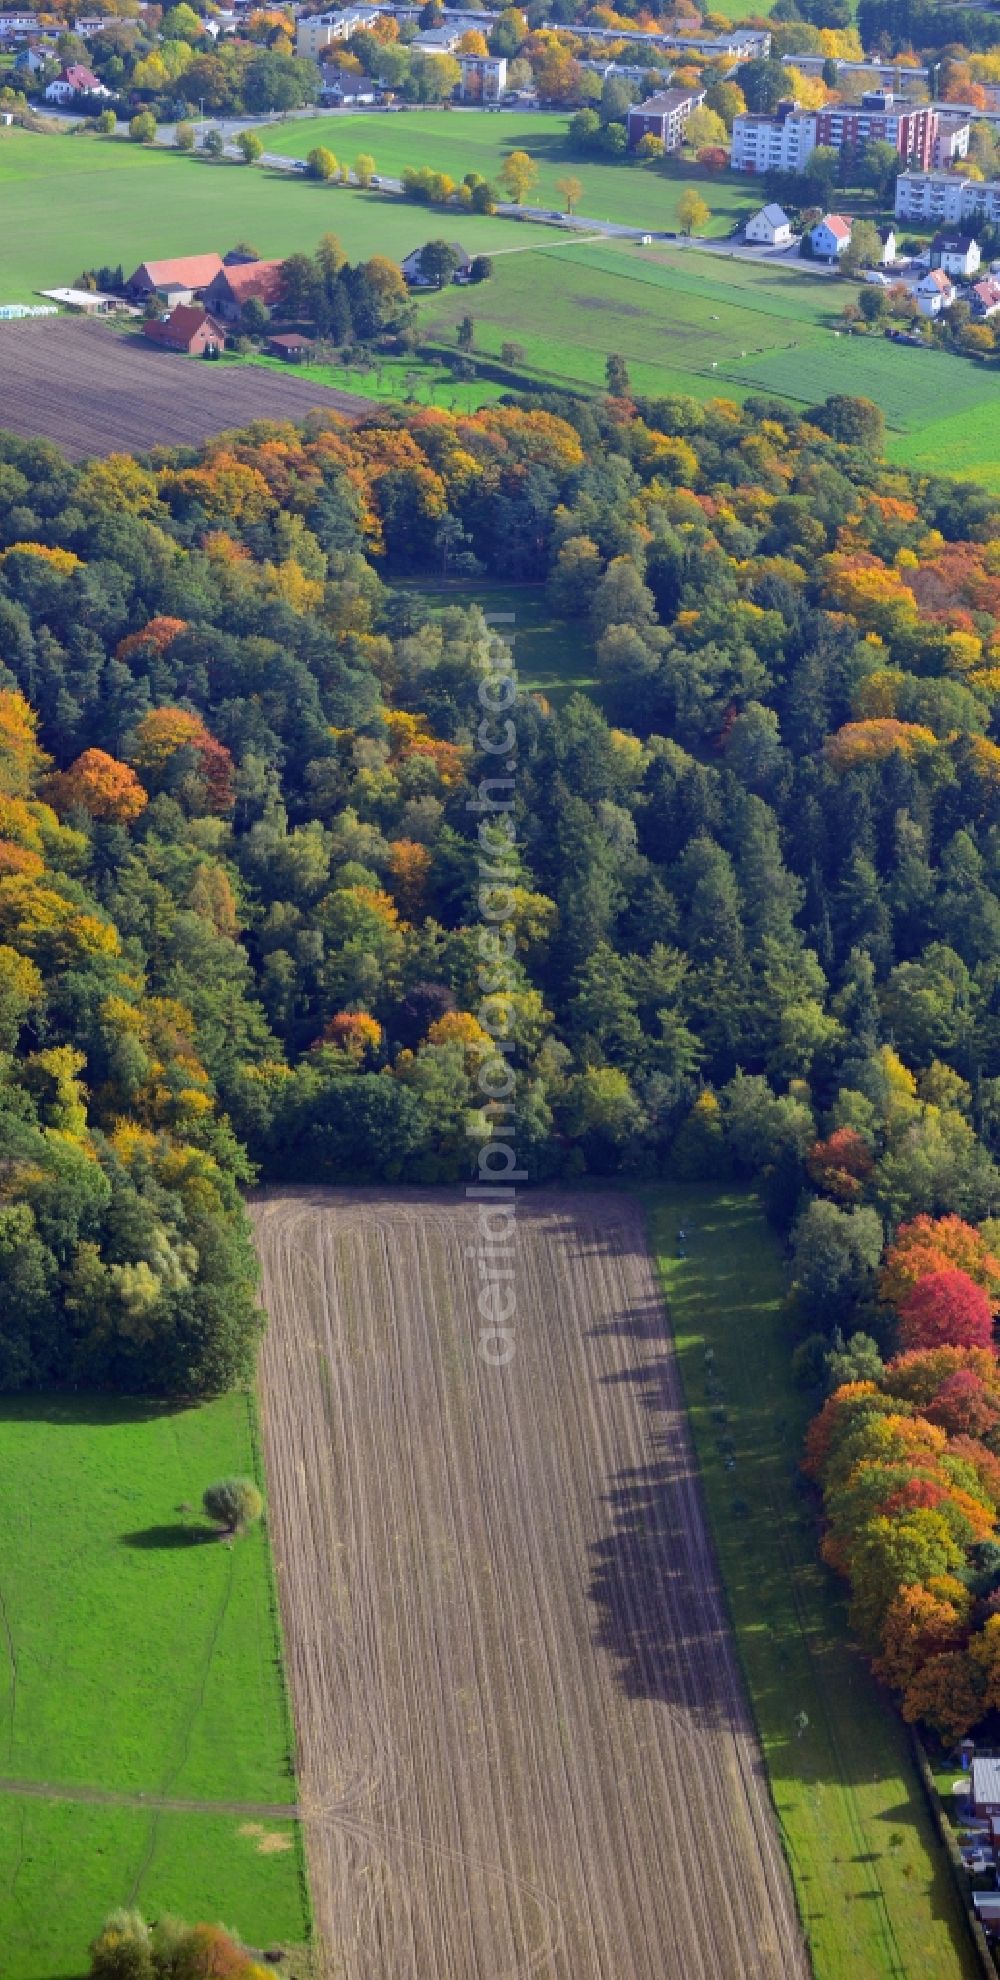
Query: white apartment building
x,y
314,32
781,143
945,197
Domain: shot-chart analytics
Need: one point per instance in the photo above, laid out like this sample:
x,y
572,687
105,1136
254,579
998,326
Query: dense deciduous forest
x,y
753,924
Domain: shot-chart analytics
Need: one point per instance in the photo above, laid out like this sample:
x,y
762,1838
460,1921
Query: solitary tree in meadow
x,y
517,175
571,190
234,1503
616,375
364,168
250,146
692,211
142,129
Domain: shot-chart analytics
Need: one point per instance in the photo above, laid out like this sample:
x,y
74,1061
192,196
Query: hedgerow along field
x,y
142,1662
460,141
524,1743
873,1885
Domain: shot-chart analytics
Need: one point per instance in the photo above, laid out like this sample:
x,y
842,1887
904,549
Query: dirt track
x,y
95,390
524,1746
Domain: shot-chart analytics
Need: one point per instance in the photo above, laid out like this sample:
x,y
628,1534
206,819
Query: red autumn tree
x,y
99,784
963,1406
841,1164
946,1307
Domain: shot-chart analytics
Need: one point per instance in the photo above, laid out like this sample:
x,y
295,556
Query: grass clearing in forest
x,y
142,1660
873,1883
551,655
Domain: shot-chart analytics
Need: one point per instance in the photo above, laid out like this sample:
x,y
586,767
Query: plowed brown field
x,y
93,390
524,1746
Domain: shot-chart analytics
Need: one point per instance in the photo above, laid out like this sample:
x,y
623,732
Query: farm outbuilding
x,y
176,281
291,346
86,302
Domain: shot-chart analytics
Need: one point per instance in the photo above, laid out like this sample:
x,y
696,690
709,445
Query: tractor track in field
x,y
524,1745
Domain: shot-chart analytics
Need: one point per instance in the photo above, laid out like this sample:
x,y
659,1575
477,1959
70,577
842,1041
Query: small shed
x,y
290,346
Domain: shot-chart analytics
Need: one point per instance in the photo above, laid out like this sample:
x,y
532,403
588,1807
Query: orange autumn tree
x,y
409,870
163,733
159,633
100,785
933,1244
355,1033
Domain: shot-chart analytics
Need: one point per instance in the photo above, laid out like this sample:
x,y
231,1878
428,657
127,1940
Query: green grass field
x,y
75,202
461,141
552,657
140,1659
399,379
873,1884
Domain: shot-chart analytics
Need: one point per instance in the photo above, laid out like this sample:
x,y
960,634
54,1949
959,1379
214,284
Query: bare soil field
x,y
523,1741
94,390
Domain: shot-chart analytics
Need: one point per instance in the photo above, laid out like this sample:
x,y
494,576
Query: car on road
x,y
300,165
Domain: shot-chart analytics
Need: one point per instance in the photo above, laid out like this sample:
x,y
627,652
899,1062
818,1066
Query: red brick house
x,y
231,288
188,328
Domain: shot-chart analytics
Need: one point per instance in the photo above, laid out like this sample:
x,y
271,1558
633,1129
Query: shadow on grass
x,y
171,1534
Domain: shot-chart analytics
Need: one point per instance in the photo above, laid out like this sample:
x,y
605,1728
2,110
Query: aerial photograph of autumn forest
x,y
500,990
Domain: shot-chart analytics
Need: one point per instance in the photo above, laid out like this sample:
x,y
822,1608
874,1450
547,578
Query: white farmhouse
x,y
770,227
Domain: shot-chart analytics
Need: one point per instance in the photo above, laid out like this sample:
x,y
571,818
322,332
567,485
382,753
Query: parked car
x,y
876,278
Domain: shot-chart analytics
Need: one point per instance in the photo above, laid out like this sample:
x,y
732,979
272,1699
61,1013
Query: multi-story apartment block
x,y
664,116
945,197
314,32
911,128
781,143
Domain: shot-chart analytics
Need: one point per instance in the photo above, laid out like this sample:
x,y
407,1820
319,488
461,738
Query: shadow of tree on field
x,y
171,1534
654,1581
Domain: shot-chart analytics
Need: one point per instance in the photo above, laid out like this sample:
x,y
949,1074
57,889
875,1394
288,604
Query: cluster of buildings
x,y
784,141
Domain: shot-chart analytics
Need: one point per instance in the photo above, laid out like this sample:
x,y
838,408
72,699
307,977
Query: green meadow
x,y
141,1658
461,141
73,202
873,1885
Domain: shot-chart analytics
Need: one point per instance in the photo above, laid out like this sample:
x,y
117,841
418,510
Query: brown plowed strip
x,y
93,390
524,1745
167,1804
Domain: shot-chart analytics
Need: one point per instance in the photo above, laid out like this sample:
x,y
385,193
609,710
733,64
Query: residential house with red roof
x,y
188,328
75,80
